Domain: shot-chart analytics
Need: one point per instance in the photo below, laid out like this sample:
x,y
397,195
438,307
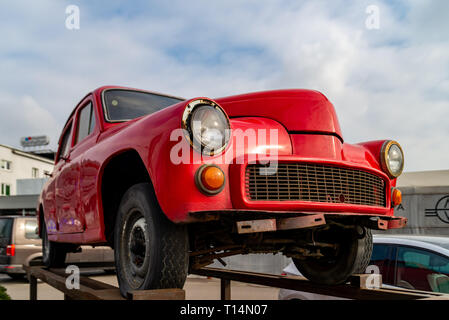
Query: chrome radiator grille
x,y
314,183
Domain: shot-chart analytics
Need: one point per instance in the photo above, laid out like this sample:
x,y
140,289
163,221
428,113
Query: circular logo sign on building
x,y
441,210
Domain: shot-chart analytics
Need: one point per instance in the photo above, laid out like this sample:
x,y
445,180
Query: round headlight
x,y
392,158
207,126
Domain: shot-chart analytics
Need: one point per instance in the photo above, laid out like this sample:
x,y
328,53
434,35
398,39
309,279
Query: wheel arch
x,y
119,173
34,256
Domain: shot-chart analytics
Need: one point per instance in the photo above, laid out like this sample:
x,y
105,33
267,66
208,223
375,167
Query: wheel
x,y
16,276
151,252
53,253
352,257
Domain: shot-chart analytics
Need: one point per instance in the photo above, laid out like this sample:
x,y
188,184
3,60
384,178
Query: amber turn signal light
x,y
210,179
396,197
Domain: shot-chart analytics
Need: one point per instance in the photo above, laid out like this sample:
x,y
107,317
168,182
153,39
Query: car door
x,y
67,188
27,241
49,203
85,137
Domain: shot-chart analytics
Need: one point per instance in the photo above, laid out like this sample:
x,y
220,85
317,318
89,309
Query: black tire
x,y
151,252
353,257
53,253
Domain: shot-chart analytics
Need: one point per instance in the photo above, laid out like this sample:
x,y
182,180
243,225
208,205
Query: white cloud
x,y
23,116
387,83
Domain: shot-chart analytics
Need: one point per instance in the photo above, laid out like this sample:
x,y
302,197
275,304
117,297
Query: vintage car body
x,y
79,202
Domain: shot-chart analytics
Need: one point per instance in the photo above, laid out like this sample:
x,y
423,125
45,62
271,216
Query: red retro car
x,y
173,183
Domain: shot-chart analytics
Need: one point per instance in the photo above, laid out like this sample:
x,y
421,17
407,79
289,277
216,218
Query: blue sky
x,y
387,83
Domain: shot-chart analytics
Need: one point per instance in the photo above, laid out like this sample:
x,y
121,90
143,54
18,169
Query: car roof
x,y
435,243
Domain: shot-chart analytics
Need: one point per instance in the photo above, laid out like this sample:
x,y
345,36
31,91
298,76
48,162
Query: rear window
x,y
5,228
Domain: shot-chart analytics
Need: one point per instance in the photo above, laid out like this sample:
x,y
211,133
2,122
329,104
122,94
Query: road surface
x,y
197,288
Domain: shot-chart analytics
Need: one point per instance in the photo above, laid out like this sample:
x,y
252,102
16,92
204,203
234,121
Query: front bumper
x,y
249,221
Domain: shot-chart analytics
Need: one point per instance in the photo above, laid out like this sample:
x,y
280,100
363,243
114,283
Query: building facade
x,y
425,203
16,164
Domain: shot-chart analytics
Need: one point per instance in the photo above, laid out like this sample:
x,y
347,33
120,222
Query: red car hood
x,y
300,111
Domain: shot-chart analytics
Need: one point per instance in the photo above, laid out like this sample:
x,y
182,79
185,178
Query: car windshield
x,y
122,105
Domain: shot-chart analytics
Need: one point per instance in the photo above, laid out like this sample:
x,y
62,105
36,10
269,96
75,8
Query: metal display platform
x,y
91,289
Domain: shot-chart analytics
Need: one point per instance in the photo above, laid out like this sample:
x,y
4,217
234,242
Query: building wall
x,y
30,186
427,211
21,166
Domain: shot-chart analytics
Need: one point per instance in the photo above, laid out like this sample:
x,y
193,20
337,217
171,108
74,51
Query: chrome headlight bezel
x,y
187,126
386,147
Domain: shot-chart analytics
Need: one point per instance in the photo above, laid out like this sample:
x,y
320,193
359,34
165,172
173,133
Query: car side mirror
x,y
66,159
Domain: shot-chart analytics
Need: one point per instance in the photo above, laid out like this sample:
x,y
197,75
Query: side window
x,y
65,143
5,189
92,120
34,173
415,258
422,270
5,165
6,228
30,229
86,122
381,257
380,252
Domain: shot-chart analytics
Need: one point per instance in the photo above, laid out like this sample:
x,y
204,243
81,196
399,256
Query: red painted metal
x,y
297,109
398,223
307,221
261,225
266,225
307,129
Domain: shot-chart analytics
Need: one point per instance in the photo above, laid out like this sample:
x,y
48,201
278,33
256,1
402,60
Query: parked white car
x,y
406,261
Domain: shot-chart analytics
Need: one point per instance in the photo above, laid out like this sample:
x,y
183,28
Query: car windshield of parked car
x,y
123,105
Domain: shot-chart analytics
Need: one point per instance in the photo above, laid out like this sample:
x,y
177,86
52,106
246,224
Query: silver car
x,y
405,261
19,245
